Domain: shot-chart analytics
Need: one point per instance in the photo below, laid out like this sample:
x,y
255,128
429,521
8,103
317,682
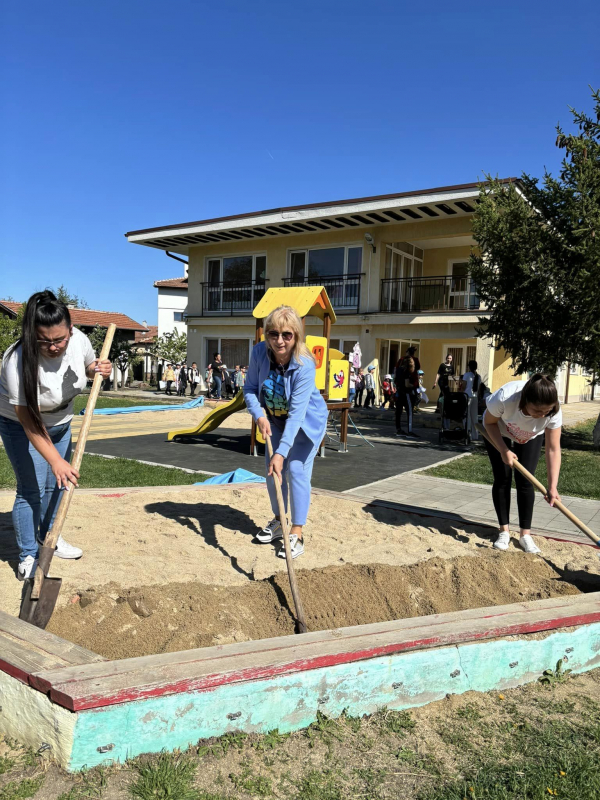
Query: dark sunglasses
x,y
287,336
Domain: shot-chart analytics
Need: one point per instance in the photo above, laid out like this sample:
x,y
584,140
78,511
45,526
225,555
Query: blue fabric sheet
x,y
195,403
238,476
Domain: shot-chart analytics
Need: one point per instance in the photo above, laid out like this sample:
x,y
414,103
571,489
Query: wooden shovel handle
x,y
61,514
286,543
541,488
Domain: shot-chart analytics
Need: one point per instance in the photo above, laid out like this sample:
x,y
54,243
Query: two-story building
x,y
395,267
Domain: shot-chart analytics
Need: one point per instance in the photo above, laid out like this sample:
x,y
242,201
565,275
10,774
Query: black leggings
x,y
528,455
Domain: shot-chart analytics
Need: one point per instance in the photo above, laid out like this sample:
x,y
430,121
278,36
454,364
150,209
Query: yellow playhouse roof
x,y
304,300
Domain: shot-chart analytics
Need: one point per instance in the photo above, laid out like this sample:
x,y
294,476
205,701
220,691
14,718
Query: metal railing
x,y
438,293
343,290
229,299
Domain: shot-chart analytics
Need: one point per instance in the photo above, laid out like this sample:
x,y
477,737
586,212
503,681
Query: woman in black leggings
x,y
516,417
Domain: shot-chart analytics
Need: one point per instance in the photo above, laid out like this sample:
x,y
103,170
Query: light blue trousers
x,y
297,472
38,496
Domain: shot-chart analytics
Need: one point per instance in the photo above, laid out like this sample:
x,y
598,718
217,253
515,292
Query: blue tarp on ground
x,y
238,476
195,403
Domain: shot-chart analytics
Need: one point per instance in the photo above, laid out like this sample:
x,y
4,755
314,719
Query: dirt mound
x,y
179,616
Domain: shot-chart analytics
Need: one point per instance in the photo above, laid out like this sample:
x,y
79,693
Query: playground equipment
x,y
333,371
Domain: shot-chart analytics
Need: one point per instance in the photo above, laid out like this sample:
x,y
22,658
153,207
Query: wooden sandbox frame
x,y
91,711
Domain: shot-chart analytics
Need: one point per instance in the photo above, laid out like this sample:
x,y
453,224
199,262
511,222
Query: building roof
x,y
149,335
305,300
173,283
356,213
10,308
88,318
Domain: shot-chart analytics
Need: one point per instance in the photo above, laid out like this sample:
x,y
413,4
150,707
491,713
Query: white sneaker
x,y
64,549
502,541
270,532
528,545
296,546
26,568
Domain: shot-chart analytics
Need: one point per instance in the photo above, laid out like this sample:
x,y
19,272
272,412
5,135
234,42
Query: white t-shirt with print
x,y
504,403
60,381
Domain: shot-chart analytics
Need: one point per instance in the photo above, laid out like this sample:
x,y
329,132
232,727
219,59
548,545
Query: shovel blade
x,y
38,612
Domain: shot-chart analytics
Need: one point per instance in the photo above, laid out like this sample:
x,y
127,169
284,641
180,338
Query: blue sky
x,y
125,115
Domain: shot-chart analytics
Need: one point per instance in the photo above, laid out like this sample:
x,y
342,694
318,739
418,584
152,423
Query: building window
x,y
234,283
233,351
178,316
236,270
337,268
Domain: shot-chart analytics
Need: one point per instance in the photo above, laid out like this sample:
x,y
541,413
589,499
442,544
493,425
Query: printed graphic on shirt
x,y
518,434
273,392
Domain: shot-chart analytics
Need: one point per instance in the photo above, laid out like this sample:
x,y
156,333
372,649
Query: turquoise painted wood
x,y
291,702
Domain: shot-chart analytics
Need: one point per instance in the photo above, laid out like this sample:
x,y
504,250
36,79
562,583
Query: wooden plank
x,y
30,636
19,660
107,683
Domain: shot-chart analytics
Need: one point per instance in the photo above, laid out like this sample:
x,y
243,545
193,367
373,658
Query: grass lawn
x,y
528,743
99,473
579,474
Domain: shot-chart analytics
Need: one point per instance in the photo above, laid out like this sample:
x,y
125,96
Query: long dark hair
x,y
540,390
42,309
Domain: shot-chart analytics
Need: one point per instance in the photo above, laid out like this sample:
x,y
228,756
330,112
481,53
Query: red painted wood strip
x,y
14,671
342,638
82,696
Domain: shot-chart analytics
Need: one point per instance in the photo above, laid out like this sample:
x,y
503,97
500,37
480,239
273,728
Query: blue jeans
x,y
38,496
297,472
218,383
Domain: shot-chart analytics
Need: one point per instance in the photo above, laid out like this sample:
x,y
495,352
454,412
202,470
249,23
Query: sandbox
x,y
177,626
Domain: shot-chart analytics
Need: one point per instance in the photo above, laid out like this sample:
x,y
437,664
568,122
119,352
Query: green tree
x,y
123,352
171,347
538,266
10,330
62,293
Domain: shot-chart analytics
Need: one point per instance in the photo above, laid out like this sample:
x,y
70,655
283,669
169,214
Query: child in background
x,y
388,392
352,392
360,387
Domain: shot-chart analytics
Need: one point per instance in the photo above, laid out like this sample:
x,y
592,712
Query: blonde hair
x,y
285,317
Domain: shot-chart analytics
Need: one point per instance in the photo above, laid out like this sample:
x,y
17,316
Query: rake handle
x,y
541,488
57,526
286,544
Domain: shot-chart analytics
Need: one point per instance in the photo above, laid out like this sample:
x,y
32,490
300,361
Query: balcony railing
x,y
438,293
343,290
230,299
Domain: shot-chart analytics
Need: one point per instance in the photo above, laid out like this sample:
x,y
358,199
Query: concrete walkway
x,y
473,501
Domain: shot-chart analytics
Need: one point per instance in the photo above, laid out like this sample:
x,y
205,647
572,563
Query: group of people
x,y
220,380
182,376
51,363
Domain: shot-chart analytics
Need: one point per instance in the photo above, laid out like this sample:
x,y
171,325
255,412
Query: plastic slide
x,y
213,419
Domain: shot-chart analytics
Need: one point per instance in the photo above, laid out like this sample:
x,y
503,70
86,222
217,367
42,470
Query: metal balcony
x,y
438,293
231,299
343,290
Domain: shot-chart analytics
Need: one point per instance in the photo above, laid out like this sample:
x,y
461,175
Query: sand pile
x,y
186,419
150,619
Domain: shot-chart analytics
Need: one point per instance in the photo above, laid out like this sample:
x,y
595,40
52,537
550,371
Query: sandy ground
x,y
178,419
198,544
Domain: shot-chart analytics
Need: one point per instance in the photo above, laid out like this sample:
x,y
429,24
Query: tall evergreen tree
x,y
538,266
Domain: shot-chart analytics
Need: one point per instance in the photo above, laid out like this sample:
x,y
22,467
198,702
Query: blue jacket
x,y
307,409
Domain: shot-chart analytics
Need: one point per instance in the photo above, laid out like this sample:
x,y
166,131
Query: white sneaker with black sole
x,y
270,532
296,546
26,568
64,549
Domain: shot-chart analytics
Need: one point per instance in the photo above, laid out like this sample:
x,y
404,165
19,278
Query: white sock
x,y
502,541
528,545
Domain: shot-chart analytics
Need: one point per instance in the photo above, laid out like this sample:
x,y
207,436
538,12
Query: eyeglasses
x,y
46,344
287,336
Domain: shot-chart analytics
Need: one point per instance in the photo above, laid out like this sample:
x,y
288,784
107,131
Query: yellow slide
x,y
214,419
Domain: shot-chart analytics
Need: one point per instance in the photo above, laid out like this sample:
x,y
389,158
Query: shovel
x,y
288,552
41,592
541,488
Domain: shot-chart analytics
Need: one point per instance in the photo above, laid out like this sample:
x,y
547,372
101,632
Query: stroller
x,y
455,410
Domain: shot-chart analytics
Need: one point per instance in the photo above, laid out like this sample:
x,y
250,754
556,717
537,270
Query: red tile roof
x,y
148,335
173,283
88,318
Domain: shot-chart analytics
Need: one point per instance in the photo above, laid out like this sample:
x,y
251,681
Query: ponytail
x,y
42,309
540,390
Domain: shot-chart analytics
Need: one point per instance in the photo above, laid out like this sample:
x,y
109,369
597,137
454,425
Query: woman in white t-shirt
x,y
516,416
41,375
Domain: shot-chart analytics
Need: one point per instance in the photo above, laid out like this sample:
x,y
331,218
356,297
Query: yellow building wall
x,y
435,261
579,387
502,372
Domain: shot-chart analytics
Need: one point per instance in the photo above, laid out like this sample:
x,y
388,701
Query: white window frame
x,y
464,348
219,289
466,296
402,293
219,339
344,276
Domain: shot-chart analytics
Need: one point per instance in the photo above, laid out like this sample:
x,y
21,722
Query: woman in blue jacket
x,y
281,395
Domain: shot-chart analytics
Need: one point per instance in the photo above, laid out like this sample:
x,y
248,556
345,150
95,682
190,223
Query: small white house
x,y
172,303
